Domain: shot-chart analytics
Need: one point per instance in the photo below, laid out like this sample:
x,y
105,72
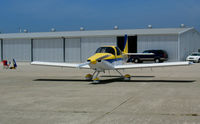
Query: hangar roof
x,y
119,32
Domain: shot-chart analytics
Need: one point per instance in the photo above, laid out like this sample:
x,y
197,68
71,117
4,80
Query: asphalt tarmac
x,y
49,95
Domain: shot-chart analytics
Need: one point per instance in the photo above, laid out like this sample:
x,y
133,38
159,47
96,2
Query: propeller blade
x,y
83,64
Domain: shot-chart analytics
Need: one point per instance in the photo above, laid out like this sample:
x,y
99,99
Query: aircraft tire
x,y
88,77
127,77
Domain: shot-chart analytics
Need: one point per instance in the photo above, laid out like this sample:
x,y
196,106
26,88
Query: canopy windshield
x,y
106,50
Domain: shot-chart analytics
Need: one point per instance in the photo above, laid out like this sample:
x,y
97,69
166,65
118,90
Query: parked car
x,y
194,57
149,55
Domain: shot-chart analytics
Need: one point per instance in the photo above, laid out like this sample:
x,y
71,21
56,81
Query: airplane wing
x,y
131,66
68,65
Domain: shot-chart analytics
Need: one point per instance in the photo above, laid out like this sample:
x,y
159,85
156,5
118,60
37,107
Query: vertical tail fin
x,y
125,44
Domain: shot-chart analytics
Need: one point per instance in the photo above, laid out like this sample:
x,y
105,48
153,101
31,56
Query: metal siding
x,y
169,43
48,50
89,45
19,49
189,42
72,50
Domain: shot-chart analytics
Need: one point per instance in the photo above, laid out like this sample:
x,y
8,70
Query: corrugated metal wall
x,y
189,42
169,43
73,50
48,50
79,49
19,49
89,45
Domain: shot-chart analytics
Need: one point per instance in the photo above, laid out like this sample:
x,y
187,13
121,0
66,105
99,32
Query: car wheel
x,y
157,60
199,61
136,60
132,60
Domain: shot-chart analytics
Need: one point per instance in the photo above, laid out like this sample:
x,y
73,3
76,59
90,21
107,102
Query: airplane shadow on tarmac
x,y
119,79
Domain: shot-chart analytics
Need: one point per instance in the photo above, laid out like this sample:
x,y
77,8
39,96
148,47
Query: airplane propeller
x,y
93,62
83,64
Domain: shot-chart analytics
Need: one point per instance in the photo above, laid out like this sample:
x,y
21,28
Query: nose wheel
x,y
96,80
95,77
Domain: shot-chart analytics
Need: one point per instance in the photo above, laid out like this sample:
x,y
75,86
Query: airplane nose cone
x,y
98,57
92,61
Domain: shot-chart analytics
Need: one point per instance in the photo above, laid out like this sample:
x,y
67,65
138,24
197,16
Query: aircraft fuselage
x,y
105,58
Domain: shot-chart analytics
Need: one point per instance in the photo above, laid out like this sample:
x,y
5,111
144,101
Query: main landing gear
x,y
95,79
126,77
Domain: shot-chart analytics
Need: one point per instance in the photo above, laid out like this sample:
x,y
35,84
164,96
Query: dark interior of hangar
x,y
132,43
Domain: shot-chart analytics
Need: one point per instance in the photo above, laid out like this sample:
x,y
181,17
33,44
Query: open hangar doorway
x,y
132,43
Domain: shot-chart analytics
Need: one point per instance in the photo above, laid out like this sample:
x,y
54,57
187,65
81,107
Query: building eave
x,y
97,33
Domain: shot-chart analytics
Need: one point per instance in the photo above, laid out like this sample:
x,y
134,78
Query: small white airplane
x,y
109,58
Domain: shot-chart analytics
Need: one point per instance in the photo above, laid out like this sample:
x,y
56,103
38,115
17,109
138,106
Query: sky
x,y
70,15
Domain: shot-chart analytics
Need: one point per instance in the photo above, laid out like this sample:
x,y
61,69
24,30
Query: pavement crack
x,y
111,111
190,114
122,103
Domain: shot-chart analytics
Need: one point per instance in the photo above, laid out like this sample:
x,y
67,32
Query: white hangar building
x,y
77,46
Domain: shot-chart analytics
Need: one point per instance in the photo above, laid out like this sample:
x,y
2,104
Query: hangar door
x,y
72,50
48,50
90,45
19,49
132,43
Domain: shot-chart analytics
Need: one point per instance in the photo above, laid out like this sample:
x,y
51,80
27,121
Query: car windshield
x,y
195,54
106,50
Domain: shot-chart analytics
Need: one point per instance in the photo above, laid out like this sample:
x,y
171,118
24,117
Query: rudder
x,y
125,44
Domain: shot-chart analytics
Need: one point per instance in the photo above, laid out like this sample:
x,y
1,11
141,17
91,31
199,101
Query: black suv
x,y
156,56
